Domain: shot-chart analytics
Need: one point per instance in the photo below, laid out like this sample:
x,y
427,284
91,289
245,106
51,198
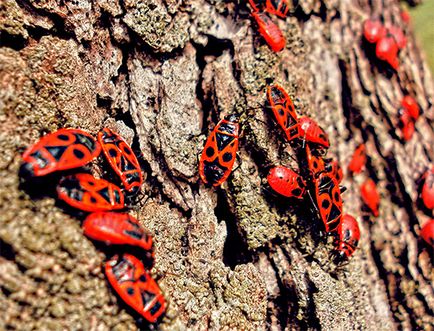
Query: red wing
x,y
312,132
228,154
269,31
219,153
210,150
61,150
135,286
116,228
283,110
358,159
315,164
122,159
329,201
87,193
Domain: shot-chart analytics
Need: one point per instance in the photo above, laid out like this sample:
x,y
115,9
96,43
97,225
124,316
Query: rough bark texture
x,y
231,258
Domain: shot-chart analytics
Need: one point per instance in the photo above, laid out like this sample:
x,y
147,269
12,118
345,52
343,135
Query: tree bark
x,y
161,73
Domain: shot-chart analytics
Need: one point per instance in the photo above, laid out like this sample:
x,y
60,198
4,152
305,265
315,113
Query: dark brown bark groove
x,y
159,72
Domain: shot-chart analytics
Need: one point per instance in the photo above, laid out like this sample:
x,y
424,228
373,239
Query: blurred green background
x,y
423,22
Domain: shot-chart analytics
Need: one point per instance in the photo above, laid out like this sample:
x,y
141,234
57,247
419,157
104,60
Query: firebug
x,y
311,132
373,30
406,124
220,151
117,229
328,201
269,31
358,160
283,110
427,232
387,50
370,196
128,277
427,194
334,168
409,103
286,182
122,159
85,192
62,150
348,236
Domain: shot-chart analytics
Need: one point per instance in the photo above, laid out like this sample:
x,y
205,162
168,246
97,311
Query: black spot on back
x,y
130,291
227,157
78,154
134,234
325,204
155,308
63,137
113,152
209,151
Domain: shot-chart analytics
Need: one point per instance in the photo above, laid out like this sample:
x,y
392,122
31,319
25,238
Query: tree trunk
x,y
161,73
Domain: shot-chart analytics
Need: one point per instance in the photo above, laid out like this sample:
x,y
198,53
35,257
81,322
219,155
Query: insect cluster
x,y
388,41
319,179
427,199
68,149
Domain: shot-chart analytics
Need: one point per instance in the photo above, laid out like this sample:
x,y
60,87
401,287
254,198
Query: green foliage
x,y
423,21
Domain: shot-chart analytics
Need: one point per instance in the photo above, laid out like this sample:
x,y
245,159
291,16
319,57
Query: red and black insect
x,y
220,151
128,277
387,50
283,110
269,31
427,232
406,124
398,35
278,7
122,159
274,7
117,229
315,164
328,201
409,103
286,182
85,192
427,194
348,237
358,160
334,168
61,150
370,196
373,30
311,132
